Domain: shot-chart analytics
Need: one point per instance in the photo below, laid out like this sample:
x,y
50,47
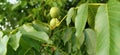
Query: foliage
x,y
84,28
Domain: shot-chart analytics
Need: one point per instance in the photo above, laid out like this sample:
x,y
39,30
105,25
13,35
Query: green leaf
x,y
57,52
14,40
107,27
23,4
1,18
67,35
15,6
79,53
24,48
78,41
3,45
1,34
30,52
39,26
93,1
28,31
30,42
90,41
81,19
69,47
28,27
26,44
10,50
70,15
80,22
91,16
40,36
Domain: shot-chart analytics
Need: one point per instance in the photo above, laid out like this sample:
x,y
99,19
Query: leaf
x,y
67,35
23,4
93,1
30,52
14,40
28,27
81,19
3,45
90,41
30,42
1,18
39,26
69,47
77,42
69,15
107,27
91,16
24,48
26,44
28,31
40,36
10,50
57,52
79,53
1,34
15,6
80,22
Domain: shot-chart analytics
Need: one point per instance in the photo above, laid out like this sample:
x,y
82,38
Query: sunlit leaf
x,y
70,14
107,27
28,31
1,34
81,19
28,27
3,45
39,26
14,40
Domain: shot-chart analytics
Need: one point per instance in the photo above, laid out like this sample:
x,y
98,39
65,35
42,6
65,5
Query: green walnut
x,y
54,12
54,23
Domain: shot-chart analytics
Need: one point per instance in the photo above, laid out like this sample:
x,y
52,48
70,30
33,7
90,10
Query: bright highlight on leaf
x,y
3,45
1,34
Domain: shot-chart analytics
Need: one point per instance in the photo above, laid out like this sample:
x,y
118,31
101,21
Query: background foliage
x,y
87,28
